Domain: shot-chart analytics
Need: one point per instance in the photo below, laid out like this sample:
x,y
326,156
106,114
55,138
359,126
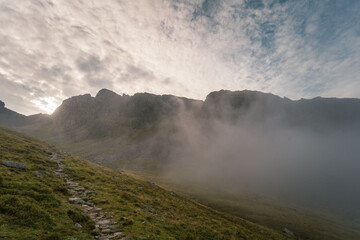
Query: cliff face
x,y
316,114
10,118
107,110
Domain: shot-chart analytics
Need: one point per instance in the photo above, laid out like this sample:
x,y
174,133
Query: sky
x,y
54,49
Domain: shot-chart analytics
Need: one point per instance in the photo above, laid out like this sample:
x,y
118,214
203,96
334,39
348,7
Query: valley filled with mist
x,y
271,160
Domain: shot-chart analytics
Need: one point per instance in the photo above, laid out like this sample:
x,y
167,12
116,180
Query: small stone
x,y
78,225
13,164
288,232
39,174
172,193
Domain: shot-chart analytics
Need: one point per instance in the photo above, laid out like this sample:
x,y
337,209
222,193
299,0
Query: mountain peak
x,y
105,93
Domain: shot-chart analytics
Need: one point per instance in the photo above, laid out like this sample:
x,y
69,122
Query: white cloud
x,y
56,49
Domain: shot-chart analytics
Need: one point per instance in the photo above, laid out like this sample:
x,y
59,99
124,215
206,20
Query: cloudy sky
x,y
53,49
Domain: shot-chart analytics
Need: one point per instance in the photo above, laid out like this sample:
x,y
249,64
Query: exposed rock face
x,y
315,114
10,118
13,164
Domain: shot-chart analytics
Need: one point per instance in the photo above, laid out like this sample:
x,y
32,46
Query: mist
x,y
311,166
304,153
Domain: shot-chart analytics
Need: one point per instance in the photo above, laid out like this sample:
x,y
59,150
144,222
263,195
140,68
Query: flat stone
x,y
72,184
13,164
103,222
76,200
118,234
79,188
114,227
96,209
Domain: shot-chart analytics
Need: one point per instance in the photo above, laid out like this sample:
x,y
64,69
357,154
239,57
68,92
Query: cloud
x,y
291,48
90,64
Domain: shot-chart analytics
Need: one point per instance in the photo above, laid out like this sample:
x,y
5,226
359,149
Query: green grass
x,y
305,223
32,207
147,211
38,208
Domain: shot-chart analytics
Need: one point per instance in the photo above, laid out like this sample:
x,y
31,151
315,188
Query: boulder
x,y
13,164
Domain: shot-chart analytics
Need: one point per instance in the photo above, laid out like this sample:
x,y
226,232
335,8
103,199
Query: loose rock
x,y
288,232
39,174
78,225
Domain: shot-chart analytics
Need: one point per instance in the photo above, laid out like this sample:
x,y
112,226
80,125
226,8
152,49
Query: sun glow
x,y
47,104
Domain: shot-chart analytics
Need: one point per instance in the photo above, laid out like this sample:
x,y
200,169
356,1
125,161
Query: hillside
x,y
244,152
36,201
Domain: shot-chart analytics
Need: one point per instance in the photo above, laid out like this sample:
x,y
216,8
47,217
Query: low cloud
x,y
262,155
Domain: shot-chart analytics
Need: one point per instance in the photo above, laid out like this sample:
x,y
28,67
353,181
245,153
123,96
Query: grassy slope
x,y
305,224
272,214
33,207
38,208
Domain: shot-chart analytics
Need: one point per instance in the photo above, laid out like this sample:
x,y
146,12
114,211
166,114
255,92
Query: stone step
x,y
103,222
76,200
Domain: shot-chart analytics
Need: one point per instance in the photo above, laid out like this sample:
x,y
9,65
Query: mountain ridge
x,y
110,115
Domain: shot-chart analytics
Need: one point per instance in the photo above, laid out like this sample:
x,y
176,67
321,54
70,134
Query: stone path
x,y
107,227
